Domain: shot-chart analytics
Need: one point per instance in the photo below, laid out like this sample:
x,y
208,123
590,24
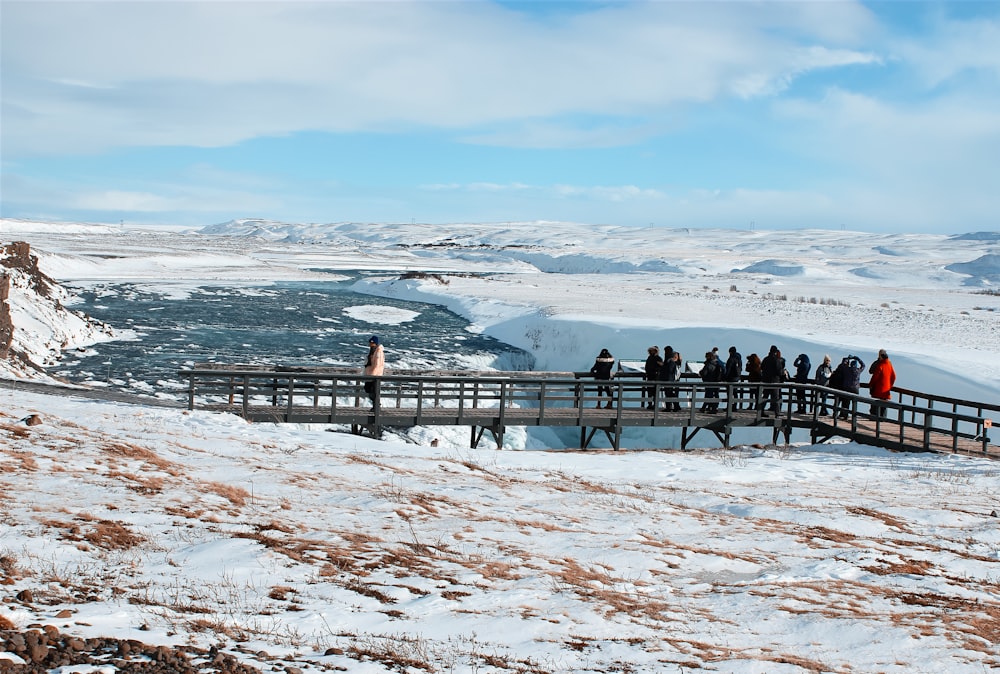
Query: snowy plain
x,y
294,544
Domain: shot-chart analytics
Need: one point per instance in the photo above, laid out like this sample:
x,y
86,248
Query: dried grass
x,y
134,452
889,520
238,496
15,431
24,462
112,535
148,485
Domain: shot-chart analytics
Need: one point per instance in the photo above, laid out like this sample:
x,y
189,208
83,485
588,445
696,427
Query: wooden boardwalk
x,y
494,401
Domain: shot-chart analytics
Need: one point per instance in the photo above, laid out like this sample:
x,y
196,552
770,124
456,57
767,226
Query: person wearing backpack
x,y
711,372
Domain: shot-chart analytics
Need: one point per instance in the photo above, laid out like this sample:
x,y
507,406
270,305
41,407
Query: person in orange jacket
x,y
883,378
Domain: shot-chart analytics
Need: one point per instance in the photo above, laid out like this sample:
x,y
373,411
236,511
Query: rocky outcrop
x,y
43,649
17,255
6,326
35,326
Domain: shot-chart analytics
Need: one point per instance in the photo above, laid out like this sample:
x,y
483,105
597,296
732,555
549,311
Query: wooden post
x,y
291,394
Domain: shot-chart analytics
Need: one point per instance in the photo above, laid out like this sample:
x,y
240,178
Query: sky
x,y
881,117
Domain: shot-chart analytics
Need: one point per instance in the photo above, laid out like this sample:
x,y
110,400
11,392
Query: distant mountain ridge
x,y
577,248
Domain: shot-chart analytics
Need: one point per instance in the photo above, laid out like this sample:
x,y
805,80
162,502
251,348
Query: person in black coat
x,y
734,370
670,371
772,371
652,372
712,371
802,367
603,366
847,378
852,378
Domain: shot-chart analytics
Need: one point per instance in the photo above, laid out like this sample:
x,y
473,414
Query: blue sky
x,y
787,115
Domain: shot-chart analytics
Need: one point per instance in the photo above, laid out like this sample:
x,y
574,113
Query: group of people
x,y
771,369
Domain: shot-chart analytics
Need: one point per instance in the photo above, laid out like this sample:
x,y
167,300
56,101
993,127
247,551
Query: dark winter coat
x,y
772,368
603,366
850,378
802,367
712,371
734,366
653,365
670,371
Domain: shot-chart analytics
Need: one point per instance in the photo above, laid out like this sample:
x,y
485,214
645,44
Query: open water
x,y
291,323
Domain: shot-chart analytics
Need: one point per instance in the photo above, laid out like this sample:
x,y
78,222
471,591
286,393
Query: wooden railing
x,y
496,400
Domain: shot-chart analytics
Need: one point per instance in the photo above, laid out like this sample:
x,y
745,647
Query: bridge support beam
x,y
783,428
723,435
373,430
496,431
613,433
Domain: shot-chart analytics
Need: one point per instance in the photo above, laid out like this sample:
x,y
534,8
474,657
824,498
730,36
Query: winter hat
x,y
373,339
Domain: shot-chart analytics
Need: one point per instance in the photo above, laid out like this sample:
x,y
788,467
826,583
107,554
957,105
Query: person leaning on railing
x,y
652,372
671,371
601,370
734,369
847,377
772,371
823,374
802,367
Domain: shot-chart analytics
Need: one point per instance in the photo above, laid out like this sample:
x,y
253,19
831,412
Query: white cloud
x,y
954,48
950,143
208,200
214,73
115,200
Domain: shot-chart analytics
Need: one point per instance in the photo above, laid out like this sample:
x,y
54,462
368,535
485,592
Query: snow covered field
x,y
298,546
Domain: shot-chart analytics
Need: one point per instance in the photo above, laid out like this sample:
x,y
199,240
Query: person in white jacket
x,y
374,366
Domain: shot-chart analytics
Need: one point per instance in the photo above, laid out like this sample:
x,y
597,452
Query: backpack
x,y
734,366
